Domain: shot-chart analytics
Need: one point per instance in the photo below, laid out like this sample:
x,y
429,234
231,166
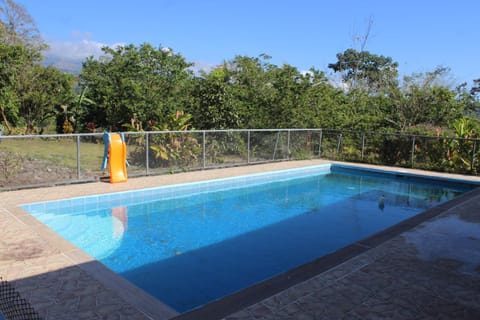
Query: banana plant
x,y
175,146
459,155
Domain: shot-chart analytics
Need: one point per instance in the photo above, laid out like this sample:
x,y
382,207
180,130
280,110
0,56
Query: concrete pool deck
x,y
425,268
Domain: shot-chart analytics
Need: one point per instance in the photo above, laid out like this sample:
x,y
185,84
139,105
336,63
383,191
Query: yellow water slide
x,y
116,156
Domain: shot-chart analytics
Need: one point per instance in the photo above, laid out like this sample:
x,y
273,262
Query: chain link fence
x,y
29,161
13,306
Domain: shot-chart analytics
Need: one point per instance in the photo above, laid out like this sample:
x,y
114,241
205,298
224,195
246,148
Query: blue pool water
x,y
190,244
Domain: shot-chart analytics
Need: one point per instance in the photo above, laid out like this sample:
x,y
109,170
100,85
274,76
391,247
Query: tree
x,y
423,100
321,105
468,98
142,82
299,99
475,96
476,87
213,107
43,91
28,91
17,27
15,61
250,92
364,70
250,89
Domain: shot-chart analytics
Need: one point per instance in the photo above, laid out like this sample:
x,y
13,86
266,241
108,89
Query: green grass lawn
x,y
59,151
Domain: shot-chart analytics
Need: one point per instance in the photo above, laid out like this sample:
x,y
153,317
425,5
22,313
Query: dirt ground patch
x,y
17,170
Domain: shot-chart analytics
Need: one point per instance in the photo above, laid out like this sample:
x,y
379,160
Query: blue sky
x,y
419,35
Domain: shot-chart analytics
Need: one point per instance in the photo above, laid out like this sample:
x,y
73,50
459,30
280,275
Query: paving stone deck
x,y
430,271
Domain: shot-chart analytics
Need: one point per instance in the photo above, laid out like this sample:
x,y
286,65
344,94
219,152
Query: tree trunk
x,y
4,117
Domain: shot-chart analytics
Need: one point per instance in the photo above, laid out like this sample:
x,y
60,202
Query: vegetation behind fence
x,y
53,159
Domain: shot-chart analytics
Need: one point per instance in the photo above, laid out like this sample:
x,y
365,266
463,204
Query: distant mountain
x,y
67,65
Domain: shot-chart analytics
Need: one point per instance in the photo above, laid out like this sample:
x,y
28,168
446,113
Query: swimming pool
x,y
193,243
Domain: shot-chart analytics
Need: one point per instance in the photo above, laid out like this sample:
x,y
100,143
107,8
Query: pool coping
x,y
154,309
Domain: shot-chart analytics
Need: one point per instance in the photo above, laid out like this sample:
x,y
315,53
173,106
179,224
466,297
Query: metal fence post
x,y
413,151
472,164
339,143
204,152
248,146
288,144
363,145
78,158
276,145
320,143
147,147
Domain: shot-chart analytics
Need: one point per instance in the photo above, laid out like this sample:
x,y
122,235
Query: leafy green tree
x,y
365,70
237,94
16,63
363,111
43,91
9,59
251,90
20,49
321,105
287,86
213,107
299,99
468,99
129,82
30,93
424,100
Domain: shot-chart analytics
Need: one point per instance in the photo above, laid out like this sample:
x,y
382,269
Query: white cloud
x,y
199,66
69,55
74,50
81,49
305,72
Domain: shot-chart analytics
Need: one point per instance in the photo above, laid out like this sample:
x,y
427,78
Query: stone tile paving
x,y
45,278
430,272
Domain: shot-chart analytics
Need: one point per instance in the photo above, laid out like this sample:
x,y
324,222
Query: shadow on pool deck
x,y
426,267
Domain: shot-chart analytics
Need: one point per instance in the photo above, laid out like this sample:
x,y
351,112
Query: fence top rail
x,y
42,136
324,131
229,130
408,135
